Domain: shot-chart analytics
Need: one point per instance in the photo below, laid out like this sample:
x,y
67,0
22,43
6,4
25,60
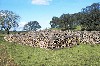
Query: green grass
x,y
56,28
82,55
78,28
5,58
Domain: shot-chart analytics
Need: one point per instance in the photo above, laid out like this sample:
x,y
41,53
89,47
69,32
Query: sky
x,y
43,10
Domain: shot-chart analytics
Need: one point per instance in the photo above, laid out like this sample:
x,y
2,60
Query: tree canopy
x,y
8,20
91,17
32,25
87,19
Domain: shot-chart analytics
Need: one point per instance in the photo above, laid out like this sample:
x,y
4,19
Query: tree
x,y
88,19
67,21
55,22
91,17
8,20
32,25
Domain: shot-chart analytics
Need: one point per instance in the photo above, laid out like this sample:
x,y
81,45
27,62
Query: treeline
x,y
9,19
88,19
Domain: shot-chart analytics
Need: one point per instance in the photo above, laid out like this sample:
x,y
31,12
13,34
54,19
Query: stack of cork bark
x,y
54,39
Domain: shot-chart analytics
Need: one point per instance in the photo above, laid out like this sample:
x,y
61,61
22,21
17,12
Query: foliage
x,y
91,17
32,25
88,19
55,22
8,19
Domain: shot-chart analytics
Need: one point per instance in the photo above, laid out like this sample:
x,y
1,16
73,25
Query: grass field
x,y
82,55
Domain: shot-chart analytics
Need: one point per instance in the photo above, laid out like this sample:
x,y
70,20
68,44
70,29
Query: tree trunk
x,y
7,31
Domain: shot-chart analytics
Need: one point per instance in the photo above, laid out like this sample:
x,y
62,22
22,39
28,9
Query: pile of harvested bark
x,y
55,38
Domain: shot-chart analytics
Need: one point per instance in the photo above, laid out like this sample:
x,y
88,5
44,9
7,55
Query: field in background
x,y
82,55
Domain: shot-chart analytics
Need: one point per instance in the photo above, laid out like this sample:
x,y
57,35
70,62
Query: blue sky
x,y
43,10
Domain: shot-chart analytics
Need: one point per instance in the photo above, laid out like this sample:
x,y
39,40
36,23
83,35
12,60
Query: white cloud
x,y
41,2
21,25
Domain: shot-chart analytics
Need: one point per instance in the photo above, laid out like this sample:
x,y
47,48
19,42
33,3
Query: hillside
x,y
81,55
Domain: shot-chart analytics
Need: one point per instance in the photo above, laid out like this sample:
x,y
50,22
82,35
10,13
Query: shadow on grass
x,y
5,59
